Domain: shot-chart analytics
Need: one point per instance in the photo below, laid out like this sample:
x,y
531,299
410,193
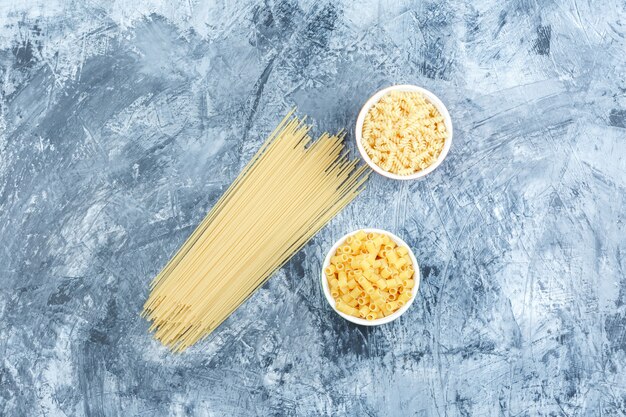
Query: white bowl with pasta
x,y
429,96
383,320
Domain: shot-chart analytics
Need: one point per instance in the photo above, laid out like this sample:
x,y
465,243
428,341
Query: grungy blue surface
x,y
122,122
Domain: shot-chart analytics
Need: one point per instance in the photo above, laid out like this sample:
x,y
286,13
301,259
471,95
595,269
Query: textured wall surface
x,y
122,122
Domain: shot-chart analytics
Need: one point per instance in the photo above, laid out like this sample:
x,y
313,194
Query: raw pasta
x,y
403,133
382,273
289,190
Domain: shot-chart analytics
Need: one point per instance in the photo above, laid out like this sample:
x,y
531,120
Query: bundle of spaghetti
x,y
289,190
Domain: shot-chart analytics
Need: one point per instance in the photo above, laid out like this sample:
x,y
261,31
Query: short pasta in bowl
x,y
370,277
404,132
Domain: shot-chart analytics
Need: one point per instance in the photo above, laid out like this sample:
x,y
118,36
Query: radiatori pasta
x,y
403,133
369,276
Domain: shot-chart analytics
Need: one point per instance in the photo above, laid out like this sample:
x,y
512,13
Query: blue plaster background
x,y
122,122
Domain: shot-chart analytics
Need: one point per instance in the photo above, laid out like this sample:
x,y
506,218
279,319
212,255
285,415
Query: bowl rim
x,y
358,320
430,96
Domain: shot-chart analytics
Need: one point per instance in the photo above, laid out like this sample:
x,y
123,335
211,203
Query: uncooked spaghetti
x,y
289,190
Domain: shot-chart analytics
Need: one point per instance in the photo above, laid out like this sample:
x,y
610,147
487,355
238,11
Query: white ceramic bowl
x,y
430,97
389,318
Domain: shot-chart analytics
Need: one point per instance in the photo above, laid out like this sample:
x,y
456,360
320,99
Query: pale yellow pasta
x,y
346,298
366,285
371,247
400,262
376,296
373,279
355,293
300,184
380,304
345,308
404,275
403,298
370,274
403,133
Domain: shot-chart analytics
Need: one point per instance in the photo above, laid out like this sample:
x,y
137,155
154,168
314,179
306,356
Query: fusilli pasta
x,y
403,133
